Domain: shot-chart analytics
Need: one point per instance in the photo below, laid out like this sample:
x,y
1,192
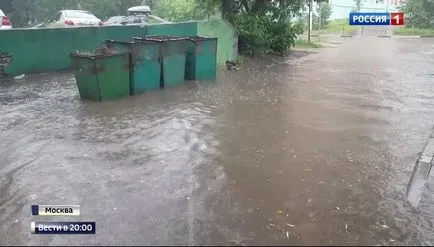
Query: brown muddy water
x,y
314,151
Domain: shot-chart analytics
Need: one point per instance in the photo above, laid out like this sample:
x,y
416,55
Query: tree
x,y
22,12
262,25
422,13
358,5
324,11
184,10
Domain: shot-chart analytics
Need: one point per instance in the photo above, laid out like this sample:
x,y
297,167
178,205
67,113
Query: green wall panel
x,y
227,48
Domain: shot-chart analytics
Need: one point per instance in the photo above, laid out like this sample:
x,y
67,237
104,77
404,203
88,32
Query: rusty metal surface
x,y
136,54
96,70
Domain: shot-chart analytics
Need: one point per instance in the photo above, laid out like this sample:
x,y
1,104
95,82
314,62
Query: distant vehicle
x,y
114,20
138,15
139,10
127,20
5,22
71,18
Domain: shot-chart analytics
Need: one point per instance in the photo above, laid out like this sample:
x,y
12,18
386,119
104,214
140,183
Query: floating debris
x,y
385,226
279,211
312,214
290,225
19,77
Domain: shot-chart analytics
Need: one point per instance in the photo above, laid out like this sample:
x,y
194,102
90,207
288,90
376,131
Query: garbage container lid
x,y
94,55
201,38
120,42
160,38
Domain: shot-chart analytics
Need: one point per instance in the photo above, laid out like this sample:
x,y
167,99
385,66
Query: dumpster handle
x,y
161,66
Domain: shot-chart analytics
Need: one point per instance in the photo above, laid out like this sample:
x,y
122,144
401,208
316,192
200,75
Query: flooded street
x,y
316,151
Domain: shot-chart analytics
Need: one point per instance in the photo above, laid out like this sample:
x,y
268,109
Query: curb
x,y
421,172
413,36
427,155
406,36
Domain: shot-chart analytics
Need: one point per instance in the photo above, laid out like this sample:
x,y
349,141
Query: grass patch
x,y
413,31
340,26
301,43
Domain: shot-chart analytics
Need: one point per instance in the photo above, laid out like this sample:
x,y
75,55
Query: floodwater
x,y
315,151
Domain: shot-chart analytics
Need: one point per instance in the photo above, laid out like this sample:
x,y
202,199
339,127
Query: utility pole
x,y
319,18
310,20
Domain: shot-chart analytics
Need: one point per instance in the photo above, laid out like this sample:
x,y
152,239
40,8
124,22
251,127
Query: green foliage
x,y
300,43
413,31
320,19
262,25
422,13
183,10
283,35
258,34
325,11
253,36
340,26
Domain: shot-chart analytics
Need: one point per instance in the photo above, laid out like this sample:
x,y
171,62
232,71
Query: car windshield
x,y
79,14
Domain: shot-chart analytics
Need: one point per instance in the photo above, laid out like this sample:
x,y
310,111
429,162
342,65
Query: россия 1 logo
x,y
377,19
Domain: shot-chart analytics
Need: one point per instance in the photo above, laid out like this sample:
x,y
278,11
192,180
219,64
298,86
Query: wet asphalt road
x,y
317,151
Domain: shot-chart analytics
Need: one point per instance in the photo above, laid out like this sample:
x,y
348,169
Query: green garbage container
x,y
172,58
201,58
102,77
145,64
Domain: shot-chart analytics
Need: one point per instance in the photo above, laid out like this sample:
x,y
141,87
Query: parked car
x,y
138,15
72,18
113,20
127,20
5,22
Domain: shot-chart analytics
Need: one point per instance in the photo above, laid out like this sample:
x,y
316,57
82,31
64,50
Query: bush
x,y
253,36
258,34
283,35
